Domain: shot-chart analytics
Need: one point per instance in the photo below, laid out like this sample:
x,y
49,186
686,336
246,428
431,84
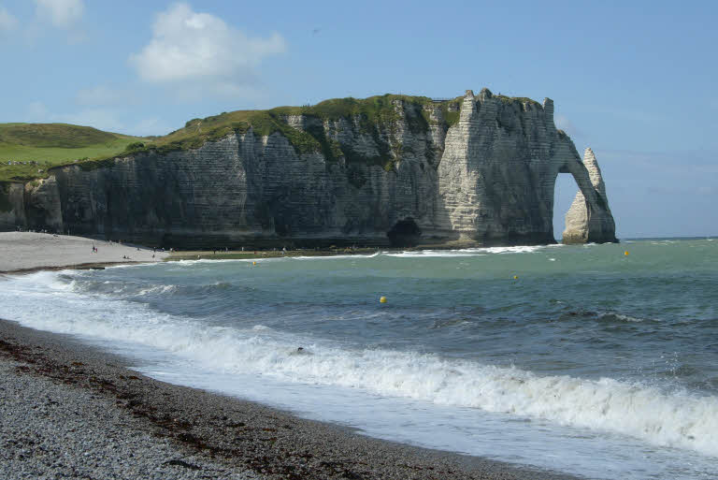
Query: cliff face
x,y
414,177
12,207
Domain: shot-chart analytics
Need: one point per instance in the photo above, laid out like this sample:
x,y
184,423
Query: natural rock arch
x,y
476,171
498,173
589,220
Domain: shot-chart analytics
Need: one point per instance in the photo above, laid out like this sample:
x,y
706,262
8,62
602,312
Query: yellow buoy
x,y
516,277
382,300
254,263
625,253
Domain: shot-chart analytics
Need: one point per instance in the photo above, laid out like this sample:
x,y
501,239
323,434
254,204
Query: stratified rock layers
x,y
487,179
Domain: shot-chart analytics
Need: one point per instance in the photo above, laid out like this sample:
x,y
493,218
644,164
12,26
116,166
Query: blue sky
x,y
636,81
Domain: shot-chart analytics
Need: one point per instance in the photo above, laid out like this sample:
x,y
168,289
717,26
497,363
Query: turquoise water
x,y
590,361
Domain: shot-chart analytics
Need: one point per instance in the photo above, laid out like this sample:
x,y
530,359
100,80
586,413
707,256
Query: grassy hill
x,y
32,148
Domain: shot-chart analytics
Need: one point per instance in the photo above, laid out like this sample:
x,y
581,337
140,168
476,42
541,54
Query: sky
x,y
634,80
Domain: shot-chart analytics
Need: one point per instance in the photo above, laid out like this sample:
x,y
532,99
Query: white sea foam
x,y
160,289
675,419
200,261
432,253
126,265
469,252
517,249
623,318
335,257
261,328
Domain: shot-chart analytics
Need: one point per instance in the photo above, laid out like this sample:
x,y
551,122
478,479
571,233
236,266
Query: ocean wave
x,y
605,317
620,318
262,328
82,283
157,289
210,261
131,265
469,252
335,257
517,249
676,419
47,301
432,253
96,286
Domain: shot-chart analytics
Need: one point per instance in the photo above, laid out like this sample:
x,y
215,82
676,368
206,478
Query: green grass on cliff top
x,y
370,111
51,145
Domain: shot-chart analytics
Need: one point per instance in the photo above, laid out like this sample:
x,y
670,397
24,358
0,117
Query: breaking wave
x,y
666,418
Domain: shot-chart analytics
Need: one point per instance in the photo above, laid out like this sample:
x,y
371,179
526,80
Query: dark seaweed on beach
x,y
240,434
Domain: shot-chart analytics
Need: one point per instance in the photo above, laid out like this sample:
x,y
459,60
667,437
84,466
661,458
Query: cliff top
x,y
27,151
370,111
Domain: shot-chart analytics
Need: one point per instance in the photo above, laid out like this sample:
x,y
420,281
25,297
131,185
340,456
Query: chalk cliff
x,y
584,222
477,170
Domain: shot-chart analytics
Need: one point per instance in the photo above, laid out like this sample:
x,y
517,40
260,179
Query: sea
x,y
595,360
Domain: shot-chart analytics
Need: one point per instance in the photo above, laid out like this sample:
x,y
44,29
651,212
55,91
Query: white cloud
x,y
190,49
61,13
8,22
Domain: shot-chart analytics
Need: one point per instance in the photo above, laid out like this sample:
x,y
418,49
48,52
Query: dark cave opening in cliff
x,y
404,233
564,193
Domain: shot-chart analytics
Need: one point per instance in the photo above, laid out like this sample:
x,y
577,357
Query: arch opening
x,y
565,189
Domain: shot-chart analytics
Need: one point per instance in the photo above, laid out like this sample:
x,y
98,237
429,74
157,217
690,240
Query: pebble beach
x,y
72,411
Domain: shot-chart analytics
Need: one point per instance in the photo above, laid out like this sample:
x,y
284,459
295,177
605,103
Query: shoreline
x,y
79,266
225,436
228,433
29,252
